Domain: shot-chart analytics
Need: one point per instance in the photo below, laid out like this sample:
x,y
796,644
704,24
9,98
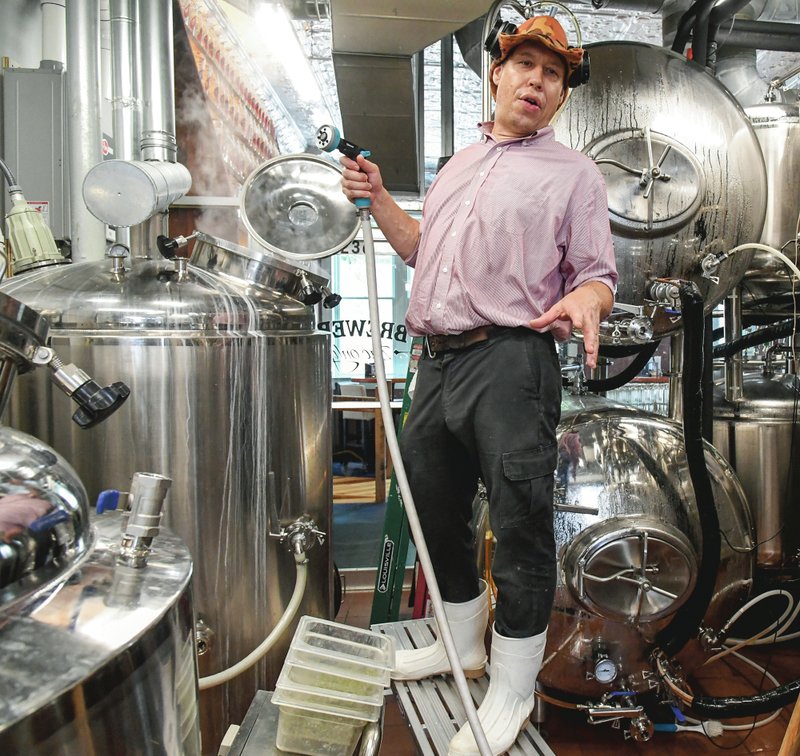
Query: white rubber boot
x,y
468,626
508,703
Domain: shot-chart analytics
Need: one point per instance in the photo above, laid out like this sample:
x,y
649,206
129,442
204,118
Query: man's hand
x,y
361,178
584,308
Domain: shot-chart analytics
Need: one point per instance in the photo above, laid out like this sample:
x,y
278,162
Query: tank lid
x,y
293,205
154,296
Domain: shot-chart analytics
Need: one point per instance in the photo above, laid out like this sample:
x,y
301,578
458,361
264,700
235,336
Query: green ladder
x,y
394,545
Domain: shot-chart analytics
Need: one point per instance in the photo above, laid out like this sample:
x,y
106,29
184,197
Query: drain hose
x,y
405,492
687,619
627,374
301,565
756,338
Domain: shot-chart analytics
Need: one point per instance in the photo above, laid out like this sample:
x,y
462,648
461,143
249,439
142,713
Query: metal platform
x,y
433,707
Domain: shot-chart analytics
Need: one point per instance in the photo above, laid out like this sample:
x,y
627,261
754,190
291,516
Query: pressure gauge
x,y
605,670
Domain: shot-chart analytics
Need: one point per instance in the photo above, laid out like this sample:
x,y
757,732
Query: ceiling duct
x,y
372,48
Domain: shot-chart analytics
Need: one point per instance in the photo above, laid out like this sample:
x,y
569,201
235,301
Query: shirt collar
x,y
546,133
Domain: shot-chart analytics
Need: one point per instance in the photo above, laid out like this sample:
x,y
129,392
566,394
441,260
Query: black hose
x,y
721,13
756,338
614,351
685,26
700,33
719,707
687,619
627,374
12,182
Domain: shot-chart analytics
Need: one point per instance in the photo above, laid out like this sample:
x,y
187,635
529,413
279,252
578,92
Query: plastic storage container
x,y
330,686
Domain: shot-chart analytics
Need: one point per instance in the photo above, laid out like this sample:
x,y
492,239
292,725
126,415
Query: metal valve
x,y
309,293
95,402
330,300
174,246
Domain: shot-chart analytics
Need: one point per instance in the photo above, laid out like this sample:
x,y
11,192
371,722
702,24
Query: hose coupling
x,y
710,639
709,265
144,510
302,535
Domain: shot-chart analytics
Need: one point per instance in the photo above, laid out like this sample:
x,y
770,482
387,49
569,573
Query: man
x,y
513,248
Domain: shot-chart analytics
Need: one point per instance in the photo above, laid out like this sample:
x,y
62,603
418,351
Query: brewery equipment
x,y
96,643
231,388
684,174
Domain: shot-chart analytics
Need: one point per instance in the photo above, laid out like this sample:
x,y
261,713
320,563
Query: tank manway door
x,y
655,184
631,572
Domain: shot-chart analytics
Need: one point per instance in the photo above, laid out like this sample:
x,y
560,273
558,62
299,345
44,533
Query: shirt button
x,y
444,269
482,173
438,305
498,149
466,202
454,233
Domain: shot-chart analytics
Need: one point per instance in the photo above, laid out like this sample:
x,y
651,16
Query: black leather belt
x,y
455,341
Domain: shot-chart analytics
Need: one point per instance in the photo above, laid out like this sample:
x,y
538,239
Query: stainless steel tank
x,y
777,126
760,438
230,397
684,174
95,656
628,545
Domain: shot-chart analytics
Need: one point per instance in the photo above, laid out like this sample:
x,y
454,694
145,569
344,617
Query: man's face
x,y
530,89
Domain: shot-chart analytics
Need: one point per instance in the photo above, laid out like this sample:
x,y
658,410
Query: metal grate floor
x,y
433,707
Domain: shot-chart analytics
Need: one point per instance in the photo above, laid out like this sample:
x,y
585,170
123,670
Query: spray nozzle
x,y
329,139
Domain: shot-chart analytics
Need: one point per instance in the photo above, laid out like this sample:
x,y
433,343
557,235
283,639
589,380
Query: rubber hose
x,y
614,351
685,26
746,706
687,619
627,374
7,173
700,33
756,338
722,12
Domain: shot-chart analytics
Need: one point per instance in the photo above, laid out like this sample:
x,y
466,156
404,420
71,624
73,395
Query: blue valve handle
x,y
108,500
329,139
47,522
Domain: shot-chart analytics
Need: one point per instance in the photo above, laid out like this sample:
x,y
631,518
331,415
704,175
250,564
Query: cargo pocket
x,y
528,486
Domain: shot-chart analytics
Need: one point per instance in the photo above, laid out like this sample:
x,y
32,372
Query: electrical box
x,y
34,141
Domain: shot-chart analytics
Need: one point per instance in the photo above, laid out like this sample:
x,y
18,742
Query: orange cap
x,y
545,30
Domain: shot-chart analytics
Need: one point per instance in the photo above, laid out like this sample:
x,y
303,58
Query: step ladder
x,y
433,707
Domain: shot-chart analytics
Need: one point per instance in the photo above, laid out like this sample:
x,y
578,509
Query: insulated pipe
x,y
686,621
158,81
627,374
54,30
88,235
125,104
700,45
764,335
762,35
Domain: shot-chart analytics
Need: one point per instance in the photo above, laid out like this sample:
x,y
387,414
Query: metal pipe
x,y
54,30
124,102
734,374
158,81
762,35
88,235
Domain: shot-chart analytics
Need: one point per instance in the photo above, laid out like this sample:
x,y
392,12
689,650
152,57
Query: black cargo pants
x,y
489,411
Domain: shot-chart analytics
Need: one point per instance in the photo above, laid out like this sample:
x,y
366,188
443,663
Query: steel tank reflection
x,y
628,545
684,174
230,387
760,437
777,126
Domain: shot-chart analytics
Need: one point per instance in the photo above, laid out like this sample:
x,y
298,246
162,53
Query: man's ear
x,y
496,74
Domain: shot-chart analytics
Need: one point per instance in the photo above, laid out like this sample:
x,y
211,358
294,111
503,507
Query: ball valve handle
x,y
172,246
329,139
95,403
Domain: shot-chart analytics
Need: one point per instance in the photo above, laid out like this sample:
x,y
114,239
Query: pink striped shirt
x,y
507,230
